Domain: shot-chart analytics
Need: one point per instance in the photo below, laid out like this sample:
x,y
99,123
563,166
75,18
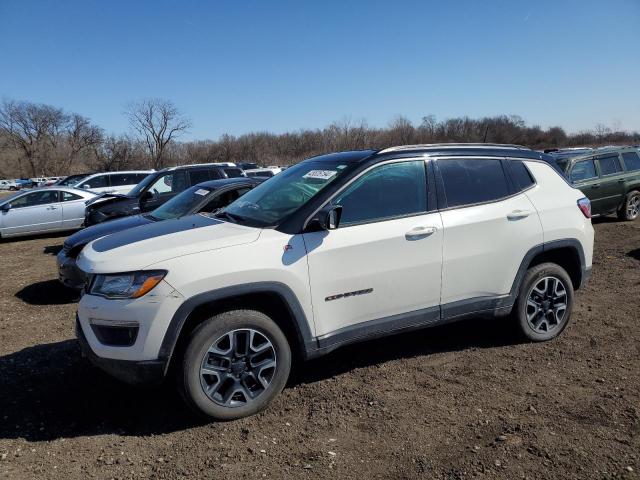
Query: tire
x,y
549,315
223,375
630,209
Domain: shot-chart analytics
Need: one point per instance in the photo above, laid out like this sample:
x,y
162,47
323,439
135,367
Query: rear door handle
x,y
518,214
418,233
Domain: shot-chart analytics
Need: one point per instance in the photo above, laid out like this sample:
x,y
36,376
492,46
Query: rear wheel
x,y
630,209
234,365
544,304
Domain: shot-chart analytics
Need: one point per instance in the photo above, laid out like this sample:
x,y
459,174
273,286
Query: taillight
x,y
585,207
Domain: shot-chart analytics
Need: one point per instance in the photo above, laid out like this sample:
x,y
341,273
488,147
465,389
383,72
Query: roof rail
x,y
452,145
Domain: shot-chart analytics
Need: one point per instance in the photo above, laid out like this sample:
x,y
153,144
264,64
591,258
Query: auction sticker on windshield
x,y
320,174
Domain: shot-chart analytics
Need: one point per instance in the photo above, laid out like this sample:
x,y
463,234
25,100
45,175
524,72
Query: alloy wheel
x,y
238,367
546,305
633,206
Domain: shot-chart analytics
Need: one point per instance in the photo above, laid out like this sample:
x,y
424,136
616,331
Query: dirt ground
x,y
460,401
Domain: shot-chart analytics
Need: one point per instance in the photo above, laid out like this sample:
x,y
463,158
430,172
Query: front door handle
x,y
418,233
518,214
595,185
52,207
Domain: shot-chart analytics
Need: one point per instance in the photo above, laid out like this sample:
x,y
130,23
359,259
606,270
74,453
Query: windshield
x,y
71,180
272,201
181,204
137,190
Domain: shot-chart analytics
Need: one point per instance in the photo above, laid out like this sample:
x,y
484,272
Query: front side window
x,y
609,165
101,181
583,170
384,192
171,182
223,199
35,198
631,161
470,181
271,202
199,176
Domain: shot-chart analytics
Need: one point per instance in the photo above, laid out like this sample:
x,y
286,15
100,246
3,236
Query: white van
x,y
113,182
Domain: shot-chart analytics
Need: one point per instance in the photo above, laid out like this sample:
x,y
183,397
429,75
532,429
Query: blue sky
x,y
238,66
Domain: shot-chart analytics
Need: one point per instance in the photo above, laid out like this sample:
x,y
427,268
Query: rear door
x,y
612,187
489,226
583,175
73,209
33,213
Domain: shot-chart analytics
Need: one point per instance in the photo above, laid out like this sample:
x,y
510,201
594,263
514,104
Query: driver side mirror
x,y
6,207
86,186
328,218
147,195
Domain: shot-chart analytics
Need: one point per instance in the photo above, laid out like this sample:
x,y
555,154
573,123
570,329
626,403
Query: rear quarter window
x,y
631,161
471,181
521,175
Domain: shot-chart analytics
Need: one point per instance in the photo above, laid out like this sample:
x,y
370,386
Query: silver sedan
x,y
43,210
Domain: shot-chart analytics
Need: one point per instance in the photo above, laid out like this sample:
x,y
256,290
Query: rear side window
x,y
100,181
609,165
631,161
121,179
473,181
68,197
521,175
199,176
233,172
583,170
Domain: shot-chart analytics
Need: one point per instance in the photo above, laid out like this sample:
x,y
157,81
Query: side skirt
x,y
482,307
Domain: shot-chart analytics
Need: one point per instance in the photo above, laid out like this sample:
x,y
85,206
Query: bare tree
x,y
34,130
157,122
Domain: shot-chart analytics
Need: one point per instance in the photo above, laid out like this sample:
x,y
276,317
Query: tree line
x,y
43,140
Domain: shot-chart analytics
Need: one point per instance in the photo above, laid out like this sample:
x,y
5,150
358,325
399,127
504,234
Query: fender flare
x,y
306,339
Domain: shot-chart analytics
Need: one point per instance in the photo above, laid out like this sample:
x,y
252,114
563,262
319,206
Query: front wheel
x,y
630,209
234,365
544,304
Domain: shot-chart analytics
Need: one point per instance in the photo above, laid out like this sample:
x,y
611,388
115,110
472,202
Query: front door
x,y
163,189
380,269
32,213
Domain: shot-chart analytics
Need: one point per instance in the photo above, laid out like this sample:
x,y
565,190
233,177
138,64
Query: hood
x,y
104,198
140,247
105,228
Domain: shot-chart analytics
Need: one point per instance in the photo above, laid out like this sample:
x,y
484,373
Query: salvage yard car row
x,y
228,281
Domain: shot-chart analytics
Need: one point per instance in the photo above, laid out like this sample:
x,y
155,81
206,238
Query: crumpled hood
x,y
94,232
140,247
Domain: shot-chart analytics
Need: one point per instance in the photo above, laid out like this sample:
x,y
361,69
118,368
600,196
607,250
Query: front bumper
x,y
129,371
68,272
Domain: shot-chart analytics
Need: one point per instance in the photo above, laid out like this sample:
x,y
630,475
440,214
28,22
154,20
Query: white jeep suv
x,y
337,249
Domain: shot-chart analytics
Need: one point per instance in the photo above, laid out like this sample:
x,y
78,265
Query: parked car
x,y
72,180
263,172
248,165
155,190
25,183
336,249
42,210
38,181
113,182
207,197
11,185
610,178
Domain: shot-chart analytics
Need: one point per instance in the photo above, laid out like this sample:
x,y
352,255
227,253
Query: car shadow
x,y
47,292
463,335
634,254
36,236
49,391
52,249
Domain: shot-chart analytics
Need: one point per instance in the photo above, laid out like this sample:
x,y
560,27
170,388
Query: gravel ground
x,y
459,401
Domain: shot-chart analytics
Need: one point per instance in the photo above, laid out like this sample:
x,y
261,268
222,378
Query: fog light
x,y
115,333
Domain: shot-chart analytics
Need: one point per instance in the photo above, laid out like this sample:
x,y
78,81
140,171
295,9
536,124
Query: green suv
x,y
610,178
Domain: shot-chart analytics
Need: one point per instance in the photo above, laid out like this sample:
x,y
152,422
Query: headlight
x,y
126,285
